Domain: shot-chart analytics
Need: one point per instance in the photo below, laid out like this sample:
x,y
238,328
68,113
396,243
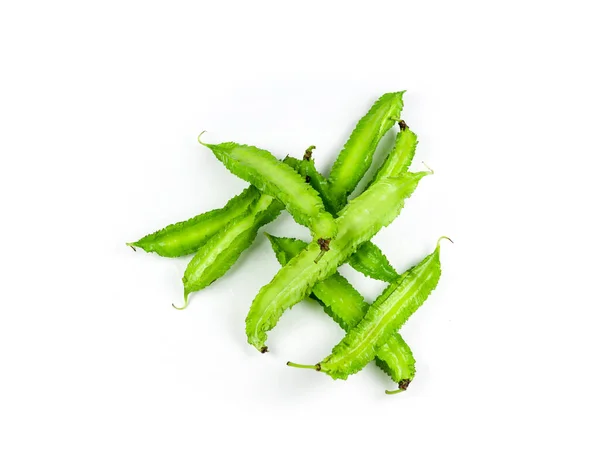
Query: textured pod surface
x,y
384,318
355,158
223,249
273,177
185,238
359,221
399,159
368,258
370,261
347,307
311,175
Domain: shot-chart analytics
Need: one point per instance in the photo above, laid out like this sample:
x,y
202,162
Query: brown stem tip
x,y
308,153
402,125
402,386
324,244
264,349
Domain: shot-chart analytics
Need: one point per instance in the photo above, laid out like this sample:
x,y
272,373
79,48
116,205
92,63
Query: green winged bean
x,y
185,238
358,222
273,177
383,318
355,158
347,307
399,159
223,249
368,258
306,168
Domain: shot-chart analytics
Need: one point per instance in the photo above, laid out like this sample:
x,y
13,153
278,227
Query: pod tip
x,y
200,137
442,238
185,302
431,172
308,153
316,367
402,386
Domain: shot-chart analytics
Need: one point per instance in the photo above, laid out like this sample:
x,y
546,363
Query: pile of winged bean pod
x,y
341,231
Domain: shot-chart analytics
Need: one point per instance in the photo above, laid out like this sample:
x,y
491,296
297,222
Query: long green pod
x,y
399,159
347,307
384,318
358,222
368,258
223,249
355,158
274,178
185,238
306,168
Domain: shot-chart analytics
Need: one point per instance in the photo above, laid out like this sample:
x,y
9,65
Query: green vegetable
x,y
223,249
272,177
368,258
355,158
306,168
370,261
358,222
184,238
347,307
399,159
187,237
384,318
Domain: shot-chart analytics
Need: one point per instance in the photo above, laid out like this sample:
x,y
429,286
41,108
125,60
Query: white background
x,y
100,106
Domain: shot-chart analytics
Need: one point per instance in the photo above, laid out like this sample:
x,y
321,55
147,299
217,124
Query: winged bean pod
x,y
368,258
384,318
347,307
399,159
223,249
358,222
272,177
185,238
355,158
306,168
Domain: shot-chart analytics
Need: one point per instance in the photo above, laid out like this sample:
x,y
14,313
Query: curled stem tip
x,y
185,302
428,168
442,238
402,386
130,245
324,246
304,366
200,136
396,391
308,153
